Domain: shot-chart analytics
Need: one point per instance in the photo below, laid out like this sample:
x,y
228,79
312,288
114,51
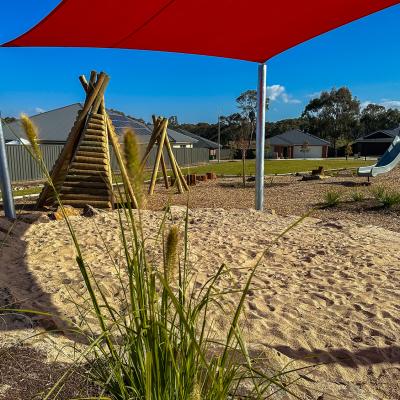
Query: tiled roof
x,y
297,137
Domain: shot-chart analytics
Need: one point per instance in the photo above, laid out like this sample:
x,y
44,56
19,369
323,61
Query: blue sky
x,y
364,56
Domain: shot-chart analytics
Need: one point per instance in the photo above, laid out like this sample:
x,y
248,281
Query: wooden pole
x,y
183,180
92,78
173,165
125,178
153,139
164,171
99,99
158,156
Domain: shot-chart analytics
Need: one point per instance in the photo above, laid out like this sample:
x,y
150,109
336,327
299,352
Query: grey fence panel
x,y
184,156
24,168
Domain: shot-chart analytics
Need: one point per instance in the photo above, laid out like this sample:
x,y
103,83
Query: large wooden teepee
x,y
82,173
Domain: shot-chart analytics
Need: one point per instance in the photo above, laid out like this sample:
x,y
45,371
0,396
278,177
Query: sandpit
x,y
327,292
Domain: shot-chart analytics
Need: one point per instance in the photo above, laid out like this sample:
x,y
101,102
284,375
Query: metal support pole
x,y
5,183
260,135
219,139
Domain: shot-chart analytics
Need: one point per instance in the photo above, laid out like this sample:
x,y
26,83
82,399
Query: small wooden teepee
x,y
159,138
82,174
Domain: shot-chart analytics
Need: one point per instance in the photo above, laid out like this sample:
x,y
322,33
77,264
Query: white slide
x,y
386,163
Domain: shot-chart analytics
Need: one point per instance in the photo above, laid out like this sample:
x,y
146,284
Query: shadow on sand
x,y
362,357
27,374
19,288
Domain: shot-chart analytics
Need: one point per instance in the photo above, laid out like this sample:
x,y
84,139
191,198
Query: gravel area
x,y
289,195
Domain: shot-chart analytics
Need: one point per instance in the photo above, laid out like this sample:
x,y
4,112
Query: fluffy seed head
x,y
171,253
31,132
196,392
132,161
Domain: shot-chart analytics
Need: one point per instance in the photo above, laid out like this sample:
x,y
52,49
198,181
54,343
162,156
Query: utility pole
x,y
219,138
5,182
260,135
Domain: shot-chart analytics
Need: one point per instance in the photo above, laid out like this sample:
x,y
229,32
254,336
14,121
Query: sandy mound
x,y
327,292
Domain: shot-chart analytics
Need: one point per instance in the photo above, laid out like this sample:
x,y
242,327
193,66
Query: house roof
x,y
297,137
201,141
122,122
374,136
178,137
55,126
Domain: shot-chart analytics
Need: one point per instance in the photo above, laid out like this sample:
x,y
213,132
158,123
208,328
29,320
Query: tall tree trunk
x,y
244,167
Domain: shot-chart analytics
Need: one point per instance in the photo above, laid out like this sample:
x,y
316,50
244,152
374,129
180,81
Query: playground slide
x,y
386,163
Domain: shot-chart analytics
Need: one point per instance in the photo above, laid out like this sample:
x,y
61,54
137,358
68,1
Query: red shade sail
x,y
252,30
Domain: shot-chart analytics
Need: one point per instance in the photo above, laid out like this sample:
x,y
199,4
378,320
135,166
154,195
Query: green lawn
x,y
24,192
277,166
235,168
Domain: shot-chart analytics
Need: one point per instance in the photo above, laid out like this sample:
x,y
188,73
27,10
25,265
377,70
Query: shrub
x,y
357,196
390,199
378,192
332,198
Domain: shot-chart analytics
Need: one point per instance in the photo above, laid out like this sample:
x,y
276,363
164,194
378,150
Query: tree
x,y
372,118
247,104
333,115
305,148
8,120
375,117
173,120
348,150
278,127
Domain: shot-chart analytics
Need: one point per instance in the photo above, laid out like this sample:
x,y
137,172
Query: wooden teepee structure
x,y
160,140
82,173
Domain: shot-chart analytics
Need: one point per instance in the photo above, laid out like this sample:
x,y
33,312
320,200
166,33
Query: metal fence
x,y
24,168
227,154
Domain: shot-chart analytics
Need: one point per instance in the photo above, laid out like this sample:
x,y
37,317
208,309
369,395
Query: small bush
x,y
332,199
378,192
357,196
390,199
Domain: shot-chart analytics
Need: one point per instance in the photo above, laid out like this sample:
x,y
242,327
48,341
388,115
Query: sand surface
x,y
326,292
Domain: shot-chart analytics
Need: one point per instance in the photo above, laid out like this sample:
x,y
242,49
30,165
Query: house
x,y
178,139
202,142
375,143
55,125
297,144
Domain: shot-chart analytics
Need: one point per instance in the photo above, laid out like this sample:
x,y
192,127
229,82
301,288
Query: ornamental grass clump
x,y
379,192
332,198
390,198
162,344
357,196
